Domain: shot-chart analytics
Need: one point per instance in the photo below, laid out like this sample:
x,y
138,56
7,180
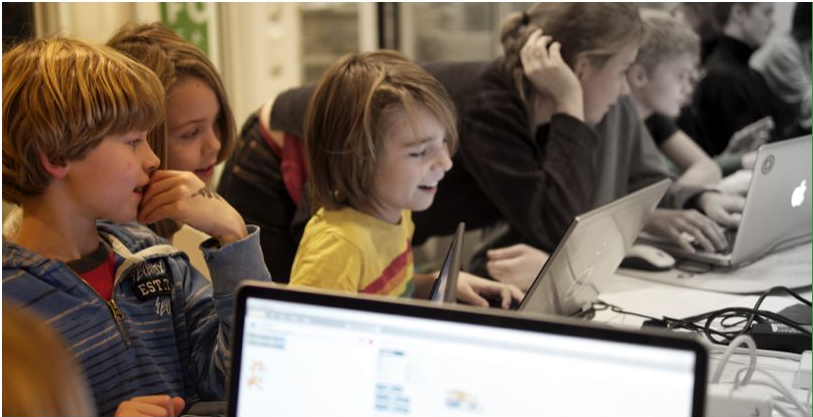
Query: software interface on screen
x,y
315,360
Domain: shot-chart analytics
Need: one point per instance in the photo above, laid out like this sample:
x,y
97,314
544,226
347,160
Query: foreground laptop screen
x,y
300,359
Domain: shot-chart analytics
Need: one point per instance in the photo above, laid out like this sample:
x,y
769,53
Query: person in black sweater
x,y
731,95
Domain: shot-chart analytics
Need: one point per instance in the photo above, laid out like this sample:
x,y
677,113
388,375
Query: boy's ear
x,y
637,76
56,170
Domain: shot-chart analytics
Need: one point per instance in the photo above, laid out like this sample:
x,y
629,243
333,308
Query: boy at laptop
x,y
142,323
660,82
378,134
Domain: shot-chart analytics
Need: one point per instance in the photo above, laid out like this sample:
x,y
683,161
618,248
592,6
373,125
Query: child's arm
x,y
696,166
232,256
183,197
208,308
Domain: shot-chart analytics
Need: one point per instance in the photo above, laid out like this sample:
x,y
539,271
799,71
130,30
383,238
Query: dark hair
x,y
801,27
348,117
722,11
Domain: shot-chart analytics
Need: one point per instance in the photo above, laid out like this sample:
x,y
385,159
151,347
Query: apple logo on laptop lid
x,y
798,196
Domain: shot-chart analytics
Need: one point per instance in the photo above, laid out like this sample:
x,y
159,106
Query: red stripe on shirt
x,y
393,271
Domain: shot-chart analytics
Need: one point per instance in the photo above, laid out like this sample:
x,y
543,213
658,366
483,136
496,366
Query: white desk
x,y
657,299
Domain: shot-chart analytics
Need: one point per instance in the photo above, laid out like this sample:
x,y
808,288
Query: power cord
x,y
752,351
776,384
732,321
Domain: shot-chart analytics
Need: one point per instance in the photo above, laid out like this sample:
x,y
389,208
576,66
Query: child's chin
x,y
421,207
124,218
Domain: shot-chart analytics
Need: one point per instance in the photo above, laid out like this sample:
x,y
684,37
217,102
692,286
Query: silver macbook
x,y
444,290
590,252
777,212
313,353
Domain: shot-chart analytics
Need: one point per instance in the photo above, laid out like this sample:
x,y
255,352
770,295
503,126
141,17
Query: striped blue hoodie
x,y
165,330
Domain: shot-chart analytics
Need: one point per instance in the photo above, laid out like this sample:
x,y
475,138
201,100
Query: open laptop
x,y
313,353
590,252
444,290
777,212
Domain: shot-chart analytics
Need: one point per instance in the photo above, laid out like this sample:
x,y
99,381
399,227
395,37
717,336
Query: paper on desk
x,y
790,268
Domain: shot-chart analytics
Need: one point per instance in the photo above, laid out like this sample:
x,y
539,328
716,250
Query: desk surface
x,y
657,299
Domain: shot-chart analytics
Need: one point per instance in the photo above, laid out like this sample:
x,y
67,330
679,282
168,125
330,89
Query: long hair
x,y
346,121
172,58
593,30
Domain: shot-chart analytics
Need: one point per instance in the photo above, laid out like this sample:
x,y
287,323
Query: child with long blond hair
x,y
378,136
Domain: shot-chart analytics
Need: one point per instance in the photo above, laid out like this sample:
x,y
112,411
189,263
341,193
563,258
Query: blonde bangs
x,y
61,97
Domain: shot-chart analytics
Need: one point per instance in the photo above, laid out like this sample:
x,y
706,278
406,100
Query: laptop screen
x,y
300,358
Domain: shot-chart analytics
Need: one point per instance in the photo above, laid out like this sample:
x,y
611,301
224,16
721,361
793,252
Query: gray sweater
x,y
627,159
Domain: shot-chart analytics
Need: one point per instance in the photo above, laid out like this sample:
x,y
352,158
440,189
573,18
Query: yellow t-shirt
x,y
350,251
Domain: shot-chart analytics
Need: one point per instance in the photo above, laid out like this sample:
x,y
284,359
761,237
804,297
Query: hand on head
x,y
517,264
474,290
151,406
550,75
673,224
183,197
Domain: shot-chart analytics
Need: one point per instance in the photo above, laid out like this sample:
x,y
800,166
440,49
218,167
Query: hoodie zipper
x,y
118,316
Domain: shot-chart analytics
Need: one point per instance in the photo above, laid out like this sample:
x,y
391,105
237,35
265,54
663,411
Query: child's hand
x,y
676,224
725,209
183,197
548,72
151,406
516,264
472,289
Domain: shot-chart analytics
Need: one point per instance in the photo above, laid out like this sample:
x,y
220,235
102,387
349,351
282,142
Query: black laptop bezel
x,y
460,314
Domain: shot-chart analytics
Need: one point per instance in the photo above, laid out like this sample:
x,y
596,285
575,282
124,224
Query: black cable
x,y
745,317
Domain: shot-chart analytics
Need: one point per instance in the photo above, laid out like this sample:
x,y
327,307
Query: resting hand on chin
x,y
185,198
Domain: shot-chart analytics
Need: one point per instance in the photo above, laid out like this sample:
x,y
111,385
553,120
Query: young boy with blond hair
x,y
661,82
146,328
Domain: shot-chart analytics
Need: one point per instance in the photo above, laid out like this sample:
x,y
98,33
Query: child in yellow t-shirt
x,y
378,135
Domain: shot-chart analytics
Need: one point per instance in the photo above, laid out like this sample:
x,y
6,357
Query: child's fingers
x,y
149,206
469,295
160,185
178,405
515,292
554,51
166,173
148,406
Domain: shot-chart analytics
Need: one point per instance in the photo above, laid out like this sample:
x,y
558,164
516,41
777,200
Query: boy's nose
x,y
151,161
445,161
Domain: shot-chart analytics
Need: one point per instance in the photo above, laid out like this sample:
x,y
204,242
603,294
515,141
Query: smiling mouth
x,y
205,171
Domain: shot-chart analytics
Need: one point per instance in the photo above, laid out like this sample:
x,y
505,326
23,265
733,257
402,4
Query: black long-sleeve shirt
x,y
728,98
534,181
